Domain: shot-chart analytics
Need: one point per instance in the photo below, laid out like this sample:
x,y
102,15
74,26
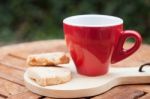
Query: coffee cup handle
x,y
119,52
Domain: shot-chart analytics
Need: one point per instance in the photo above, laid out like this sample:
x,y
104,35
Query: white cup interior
x,y
93,20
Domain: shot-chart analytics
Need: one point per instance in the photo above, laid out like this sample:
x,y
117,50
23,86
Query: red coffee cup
x,y
95,41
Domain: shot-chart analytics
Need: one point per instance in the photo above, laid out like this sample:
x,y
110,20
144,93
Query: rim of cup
x,y
93,20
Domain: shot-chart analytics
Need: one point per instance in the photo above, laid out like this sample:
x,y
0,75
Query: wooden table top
x,y
13,65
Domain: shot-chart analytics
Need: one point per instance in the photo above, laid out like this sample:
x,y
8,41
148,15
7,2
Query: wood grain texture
x,y
7,88
12,72
13,62
121,92
48,98
34,47
147,96
25,95
2,98
17,53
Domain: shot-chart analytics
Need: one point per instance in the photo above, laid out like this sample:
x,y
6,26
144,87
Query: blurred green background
x,y
28,20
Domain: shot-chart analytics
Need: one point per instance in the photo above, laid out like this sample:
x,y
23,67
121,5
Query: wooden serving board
x,y
84,86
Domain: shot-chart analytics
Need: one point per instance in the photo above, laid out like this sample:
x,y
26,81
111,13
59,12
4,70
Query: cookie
x,y
46,76
48,59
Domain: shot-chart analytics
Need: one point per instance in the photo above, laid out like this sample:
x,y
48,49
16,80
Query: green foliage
x,y
26,20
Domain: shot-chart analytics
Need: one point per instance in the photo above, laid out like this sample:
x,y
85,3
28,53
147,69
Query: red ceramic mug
x,y
95,41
